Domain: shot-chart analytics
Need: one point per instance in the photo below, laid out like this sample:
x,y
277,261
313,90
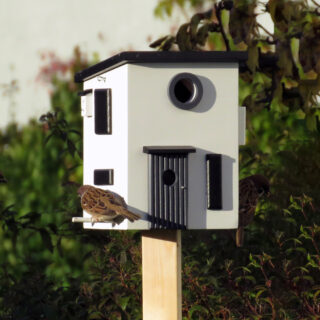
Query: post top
x,y
160,57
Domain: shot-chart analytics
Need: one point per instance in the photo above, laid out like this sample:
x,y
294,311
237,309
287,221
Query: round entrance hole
x,y
169,177
185,90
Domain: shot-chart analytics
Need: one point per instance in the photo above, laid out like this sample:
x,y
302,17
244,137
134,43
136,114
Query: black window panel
x,y
103,111
102,177
214,181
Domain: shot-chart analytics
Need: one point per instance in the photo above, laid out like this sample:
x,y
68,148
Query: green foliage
x,y
53,269
165,7
275,276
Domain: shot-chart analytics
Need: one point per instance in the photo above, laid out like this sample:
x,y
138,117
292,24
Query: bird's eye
x,y
261,191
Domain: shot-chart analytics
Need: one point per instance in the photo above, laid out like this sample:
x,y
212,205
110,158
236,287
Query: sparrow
x,y
104,205
251,189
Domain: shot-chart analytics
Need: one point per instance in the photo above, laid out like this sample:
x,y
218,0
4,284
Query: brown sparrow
x,y
251,189
104,205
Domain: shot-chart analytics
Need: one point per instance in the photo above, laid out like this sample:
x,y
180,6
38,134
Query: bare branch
x,y
264,29
223,33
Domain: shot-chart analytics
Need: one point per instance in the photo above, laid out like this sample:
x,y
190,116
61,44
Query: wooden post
x,y
161,275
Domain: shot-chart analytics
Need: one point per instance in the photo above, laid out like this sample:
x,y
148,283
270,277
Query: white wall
x,y
28,28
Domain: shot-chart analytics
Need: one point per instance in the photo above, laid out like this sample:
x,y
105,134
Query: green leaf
x,y
158,42
123,257
294,45
123,302
71,147
32,217
253,58
197,308
311,122
183,38
202,34
245,278
96,315
195,20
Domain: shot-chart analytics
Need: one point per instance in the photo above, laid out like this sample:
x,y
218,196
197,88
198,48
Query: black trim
x,y
164,150
160,57
214,181
84,92
103,177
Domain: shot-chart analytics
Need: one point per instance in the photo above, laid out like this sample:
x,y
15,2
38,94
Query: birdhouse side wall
x,y
211,127
108,151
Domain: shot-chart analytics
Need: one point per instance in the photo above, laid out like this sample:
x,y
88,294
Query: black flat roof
x,y
160,57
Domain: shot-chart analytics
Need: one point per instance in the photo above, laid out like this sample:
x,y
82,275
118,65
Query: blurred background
x,y
34,32
53,269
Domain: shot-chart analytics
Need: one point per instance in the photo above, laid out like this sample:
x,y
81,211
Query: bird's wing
x,y
95,202
117,204
248,199
111,197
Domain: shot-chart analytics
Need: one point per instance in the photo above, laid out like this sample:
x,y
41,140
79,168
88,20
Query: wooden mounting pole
x,y
161,275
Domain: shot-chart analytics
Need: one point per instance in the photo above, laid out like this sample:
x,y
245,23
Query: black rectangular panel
x,y
214,181
168,191
102,111
103,177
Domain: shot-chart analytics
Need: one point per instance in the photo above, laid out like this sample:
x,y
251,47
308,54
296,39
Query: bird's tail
x,y
130,215
240,236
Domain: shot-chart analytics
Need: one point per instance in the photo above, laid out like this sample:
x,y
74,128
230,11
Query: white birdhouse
x,y
163,129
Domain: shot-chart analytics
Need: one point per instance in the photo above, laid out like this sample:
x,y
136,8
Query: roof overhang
x,y
160,57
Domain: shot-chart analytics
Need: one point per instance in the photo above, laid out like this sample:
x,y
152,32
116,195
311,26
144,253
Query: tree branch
x,y
223,33
264,29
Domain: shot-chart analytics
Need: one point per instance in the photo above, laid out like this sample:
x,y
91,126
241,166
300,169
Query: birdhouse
x,y
163,129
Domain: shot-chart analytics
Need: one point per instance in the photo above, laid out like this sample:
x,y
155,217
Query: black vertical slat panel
x,y
174,196
171,197
156,187
169,202
176,191
181,186
161,190
183,191
166,194
185,206
152,189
